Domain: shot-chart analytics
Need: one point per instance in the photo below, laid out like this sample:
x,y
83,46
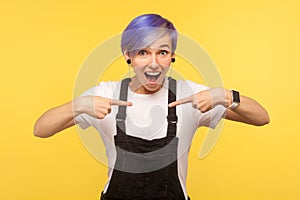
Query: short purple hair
x,y
143,30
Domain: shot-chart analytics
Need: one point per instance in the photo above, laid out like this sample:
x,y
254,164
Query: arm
x,y
54,120
249,111
62,117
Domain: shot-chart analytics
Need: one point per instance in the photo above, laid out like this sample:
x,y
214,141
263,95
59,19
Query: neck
x,y
137,87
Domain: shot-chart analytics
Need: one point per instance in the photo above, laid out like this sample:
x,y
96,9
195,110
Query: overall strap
x,y
172,117
121,116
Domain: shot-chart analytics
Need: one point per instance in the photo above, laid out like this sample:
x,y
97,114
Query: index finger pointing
x,y
120,103
181,101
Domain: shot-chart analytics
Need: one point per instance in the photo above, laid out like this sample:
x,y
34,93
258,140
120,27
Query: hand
x,y
96,106
207,99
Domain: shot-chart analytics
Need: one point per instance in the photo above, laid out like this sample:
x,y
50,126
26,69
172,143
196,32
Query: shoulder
x,y
187,87
104,89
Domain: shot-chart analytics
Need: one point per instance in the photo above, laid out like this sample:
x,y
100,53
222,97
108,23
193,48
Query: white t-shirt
x,y
146,119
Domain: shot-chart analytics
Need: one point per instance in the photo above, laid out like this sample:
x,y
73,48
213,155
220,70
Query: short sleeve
x,y
109,90
212,117
84,120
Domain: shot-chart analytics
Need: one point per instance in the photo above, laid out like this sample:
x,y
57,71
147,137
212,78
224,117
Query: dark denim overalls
x,y
145,169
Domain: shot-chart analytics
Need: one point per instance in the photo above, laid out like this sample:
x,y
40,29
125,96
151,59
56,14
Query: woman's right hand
x,y
62,117
96,106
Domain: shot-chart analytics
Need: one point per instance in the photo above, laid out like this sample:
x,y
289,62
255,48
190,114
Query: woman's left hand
x,y
249,111
207,99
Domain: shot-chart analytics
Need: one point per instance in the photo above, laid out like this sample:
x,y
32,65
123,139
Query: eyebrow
x,y
161,46
164,45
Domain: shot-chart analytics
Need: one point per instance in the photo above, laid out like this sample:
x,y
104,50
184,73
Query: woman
x,y
145,131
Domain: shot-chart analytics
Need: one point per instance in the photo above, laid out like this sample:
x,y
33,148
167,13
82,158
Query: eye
x,y
142,52
163,52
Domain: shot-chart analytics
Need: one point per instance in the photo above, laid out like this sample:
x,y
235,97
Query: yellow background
x,y
254,44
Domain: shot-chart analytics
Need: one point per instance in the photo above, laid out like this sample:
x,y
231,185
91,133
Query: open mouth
x,y
152,76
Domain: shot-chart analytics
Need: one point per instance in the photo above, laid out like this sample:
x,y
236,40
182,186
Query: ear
x,y
126,55
173,55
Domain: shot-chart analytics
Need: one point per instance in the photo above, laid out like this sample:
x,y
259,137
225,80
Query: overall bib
x,y
145,169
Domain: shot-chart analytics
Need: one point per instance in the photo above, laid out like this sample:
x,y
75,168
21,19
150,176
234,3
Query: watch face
x,y
236,96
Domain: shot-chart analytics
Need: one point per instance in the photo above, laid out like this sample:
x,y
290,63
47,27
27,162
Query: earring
x,y
128,62
171,70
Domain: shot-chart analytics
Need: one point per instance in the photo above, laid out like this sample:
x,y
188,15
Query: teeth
x,y
152,76
152,73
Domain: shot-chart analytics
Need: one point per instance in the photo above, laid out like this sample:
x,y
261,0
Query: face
x,y
150,65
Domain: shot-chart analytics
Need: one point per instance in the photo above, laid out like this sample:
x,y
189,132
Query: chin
x,y
148,89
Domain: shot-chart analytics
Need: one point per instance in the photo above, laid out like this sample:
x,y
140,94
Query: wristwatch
x,y
235,99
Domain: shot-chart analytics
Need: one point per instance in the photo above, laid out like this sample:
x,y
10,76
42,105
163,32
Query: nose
x,y
153,61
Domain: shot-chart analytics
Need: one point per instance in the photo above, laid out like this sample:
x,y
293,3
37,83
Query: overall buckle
x,y
172,119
